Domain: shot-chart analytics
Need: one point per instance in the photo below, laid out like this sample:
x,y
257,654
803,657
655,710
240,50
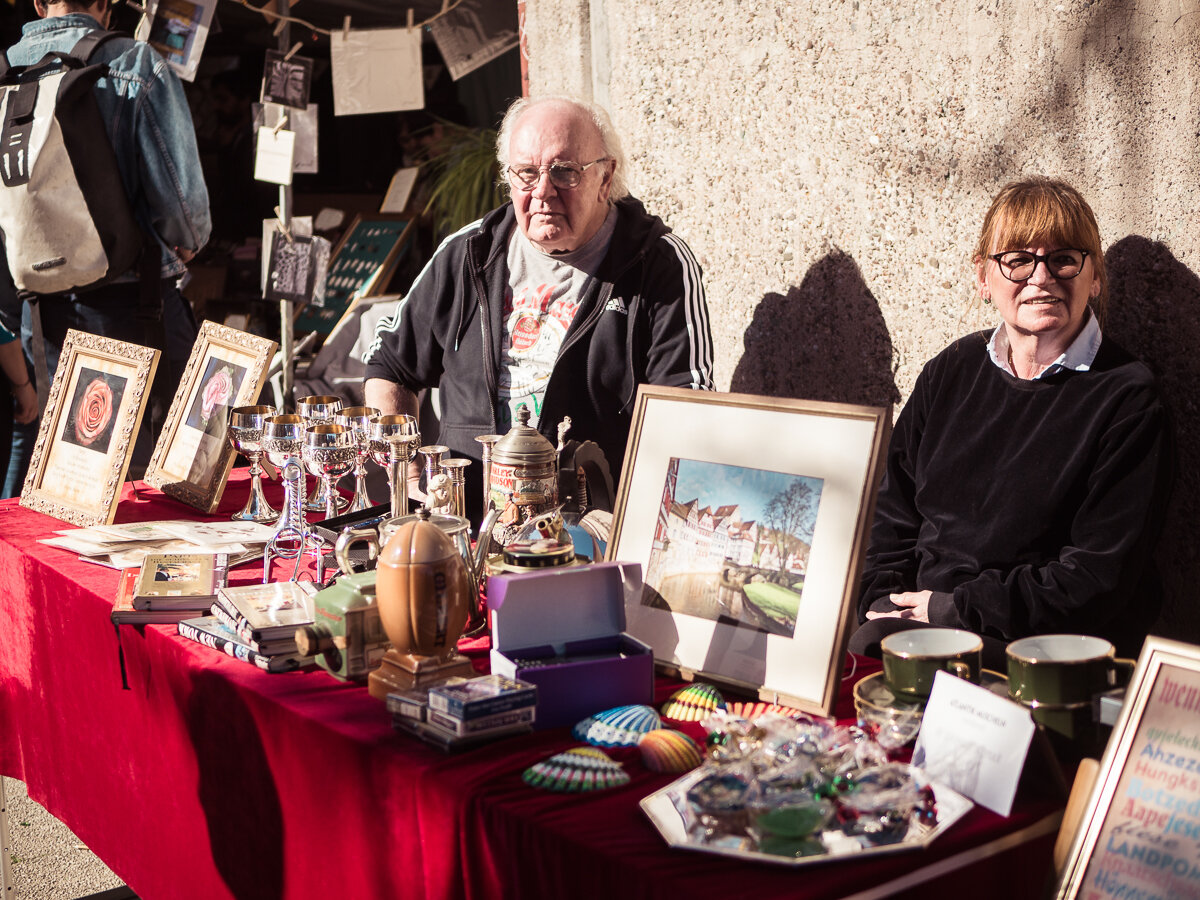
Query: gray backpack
x,y
65,221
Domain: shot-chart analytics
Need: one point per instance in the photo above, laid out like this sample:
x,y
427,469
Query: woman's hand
x,y
913,605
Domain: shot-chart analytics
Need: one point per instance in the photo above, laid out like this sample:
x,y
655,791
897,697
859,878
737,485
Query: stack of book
x,y
168,587
463,712
256,623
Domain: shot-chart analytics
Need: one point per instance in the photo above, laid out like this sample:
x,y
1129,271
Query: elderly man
x,y
564,300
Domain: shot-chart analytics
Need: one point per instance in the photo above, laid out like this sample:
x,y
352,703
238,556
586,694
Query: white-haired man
x,y
564,300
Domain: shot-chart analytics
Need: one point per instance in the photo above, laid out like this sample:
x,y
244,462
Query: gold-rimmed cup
x,y
912,658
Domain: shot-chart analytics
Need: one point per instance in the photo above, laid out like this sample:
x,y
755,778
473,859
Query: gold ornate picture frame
x,y
96,403
1139,835
192,459
750,517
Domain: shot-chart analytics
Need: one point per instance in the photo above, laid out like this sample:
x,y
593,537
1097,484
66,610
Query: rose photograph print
x,y
210,408
92,410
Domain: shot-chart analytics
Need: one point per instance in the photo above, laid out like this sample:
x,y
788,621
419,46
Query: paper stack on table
x,y
122,546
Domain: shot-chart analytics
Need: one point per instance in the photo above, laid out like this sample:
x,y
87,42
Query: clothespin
x,y
346,28
292,52
279,125
410,19
280,25
283,229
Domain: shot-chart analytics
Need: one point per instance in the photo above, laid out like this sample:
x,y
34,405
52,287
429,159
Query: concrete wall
x,y
830,162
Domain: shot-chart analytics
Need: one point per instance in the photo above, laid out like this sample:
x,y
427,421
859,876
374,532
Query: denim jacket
x,y
150,127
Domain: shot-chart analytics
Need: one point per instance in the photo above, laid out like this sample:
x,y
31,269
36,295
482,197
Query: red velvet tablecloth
x,y
206,778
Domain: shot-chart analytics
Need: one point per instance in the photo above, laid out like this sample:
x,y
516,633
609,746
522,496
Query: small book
x,y
180,580
266,648
266,612
123,612
486,695
502,722
208,631
449,742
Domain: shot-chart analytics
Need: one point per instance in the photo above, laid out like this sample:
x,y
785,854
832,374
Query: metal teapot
x,y
457,528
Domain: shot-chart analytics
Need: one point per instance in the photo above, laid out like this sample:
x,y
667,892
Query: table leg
x,y
6,847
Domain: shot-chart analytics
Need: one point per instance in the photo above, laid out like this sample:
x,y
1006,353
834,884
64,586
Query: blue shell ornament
x,y
621,726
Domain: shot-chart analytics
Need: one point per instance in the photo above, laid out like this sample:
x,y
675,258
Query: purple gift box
x,y
563,630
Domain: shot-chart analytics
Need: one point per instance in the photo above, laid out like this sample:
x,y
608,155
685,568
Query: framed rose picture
x,y
193,456
85,441
749,516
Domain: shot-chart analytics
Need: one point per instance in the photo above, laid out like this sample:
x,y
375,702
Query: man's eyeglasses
x,y
1019,265
563,175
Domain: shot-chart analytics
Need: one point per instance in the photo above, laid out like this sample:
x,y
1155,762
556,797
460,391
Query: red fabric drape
x,y
206,778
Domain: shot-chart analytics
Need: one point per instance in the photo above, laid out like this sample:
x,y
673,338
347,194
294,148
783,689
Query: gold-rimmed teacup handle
x,y
1120,670
959,668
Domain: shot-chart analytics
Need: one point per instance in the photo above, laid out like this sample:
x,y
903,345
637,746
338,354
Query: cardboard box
x,y
564,631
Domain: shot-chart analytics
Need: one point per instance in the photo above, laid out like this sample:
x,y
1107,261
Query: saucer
x,y
873,693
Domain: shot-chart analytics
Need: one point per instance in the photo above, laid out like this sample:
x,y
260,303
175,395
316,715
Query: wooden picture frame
x,y
360,265
85,442
750,517
192,458
1140,830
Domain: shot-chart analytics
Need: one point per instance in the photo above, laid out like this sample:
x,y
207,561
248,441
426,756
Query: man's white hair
x,y
593,111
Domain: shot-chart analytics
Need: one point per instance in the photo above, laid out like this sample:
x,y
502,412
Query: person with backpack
x,y
149,125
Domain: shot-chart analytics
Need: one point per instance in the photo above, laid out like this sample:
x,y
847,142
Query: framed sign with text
x,y
1140,832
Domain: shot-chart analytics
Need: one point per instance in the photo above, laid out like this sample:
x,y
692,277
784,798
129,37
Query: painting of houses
x,y
731,544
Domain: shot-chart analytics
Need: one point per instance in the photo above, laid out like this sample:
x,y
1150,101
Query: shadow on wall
x,y
823,340
1154,312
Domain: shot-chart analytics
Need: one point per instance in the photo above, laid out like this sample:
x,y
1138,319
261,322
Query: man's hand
x,y
913,605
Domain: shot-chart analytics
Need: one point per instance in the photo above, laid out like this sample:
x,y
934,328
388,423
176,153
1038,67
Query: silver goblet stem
x,y
320,409
245,433
358,420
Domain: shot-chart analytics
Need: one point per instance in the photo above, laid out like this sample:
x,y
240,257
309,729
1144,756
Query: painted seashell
x,y
693,703
753,709
669,751
620,726
576,770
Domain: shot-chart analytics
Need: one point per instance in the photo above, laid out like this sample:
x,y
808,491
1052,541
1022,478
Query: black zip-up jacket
x,y
644,320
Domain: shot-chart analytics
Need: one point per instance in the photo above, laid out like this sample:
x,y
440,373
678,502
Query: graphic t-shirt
x,y
544,293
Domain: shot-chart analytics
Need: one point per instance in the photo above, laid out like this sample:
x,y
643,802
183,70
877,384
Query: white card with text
x,y
974,741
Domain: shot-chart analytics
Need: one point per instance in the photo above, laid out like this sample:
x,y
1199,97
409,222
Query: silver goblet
x,y
358,420
245,434
319,409
329,454
393,440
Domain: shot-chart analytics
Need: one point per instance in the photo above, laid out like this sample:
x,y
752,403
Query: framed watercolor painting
x,y
193,456
96,403
750,517
1139,835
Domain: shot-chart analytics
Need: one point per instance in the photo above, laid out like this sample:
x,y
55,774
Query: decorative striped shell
x,y
753,709
693,703
576,770
669,751
620,726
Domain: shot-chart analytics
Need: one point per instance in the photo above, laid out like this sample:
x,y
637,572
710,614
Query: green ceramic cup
x,y
912,658
1063,669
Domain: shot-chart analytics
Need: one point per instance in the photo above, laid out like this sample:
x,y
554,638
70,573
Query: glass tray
x,y
667,810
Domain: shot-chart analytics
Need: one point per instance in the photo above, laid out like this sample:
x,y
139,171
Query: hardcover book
x,y
447,741
265,612
208,631
123,612
266,648
180,580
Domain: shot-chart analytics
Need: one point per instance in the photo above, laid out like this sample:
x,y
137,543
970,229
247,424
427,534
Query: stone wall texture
x,y
830,163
